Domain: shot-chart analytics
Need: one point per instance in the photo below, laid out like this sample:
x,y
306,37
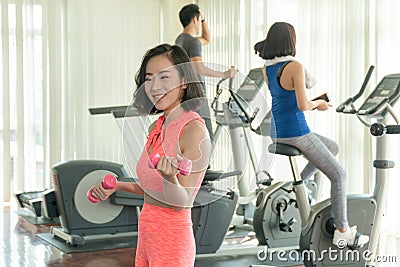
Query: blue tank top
x,y
287,119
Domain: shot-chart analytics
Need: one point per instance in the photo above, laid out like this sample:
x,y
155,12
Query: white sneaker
x,y
351,238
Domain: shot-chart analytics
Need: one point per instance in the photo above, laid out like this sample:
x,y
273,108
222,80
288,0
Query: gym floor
x,y
21,247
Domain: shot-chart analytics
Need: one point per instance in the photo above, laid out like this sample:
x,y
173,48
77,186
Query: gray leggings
x,y
320,153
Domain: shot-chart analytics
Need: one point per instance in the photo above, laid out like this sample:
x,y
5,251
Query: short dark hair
x,y
187,13
280,41
181,60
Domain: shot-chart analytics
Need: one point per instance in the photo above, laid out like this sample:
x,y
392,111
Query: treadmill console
x,y
387,91
251,85
253,95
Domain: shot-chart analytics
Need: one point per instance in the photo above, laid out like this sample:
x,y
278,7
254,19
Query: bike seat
x,y
283,149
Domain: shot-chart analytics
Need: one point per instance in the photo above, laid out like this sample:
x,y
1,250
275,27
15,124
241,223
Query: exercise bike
x,y
365,211
242,114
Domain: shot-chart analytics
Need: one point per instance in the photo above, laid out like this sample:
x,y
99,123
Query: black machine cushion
x,y
283,149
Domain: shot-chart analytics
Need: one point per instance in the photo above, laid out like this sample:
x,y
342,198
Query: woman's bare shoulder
x,y
195,128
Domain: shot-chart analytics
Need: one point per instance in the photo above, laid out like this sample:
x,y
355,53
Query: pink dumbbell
x,y
109,181
184,166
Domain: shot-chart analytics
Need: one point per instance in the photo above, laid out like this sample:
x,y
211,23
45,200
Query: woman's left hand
x,y
168,167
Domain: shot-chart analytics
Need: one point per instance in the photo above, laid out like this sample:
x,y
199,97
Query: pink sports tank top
x,y
164,141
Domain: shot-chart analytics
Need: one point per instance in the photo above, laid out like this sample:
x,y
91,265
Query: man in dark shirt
x,y
193,22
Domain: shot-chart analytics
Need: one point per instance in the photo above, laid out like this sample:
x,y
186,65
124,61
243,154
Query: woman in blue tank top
x,y
287,80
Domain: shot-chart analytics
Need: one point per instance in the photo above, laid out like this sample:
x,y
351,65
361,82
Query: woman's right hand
x,y
101,193
322,105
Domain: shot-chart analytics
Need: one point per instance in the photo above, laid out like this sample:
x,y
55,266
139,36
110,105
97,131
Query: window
x,y
21,98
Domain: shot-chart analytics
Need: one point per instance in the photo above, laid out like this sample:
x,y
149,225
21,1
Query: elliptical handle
x,y
221,81
217,93
350,100
364,85
237,100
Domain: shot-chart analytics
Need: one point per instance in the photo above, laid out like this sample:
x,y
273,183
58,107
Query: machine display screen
x,y
385,89
251,84
387,86
256,75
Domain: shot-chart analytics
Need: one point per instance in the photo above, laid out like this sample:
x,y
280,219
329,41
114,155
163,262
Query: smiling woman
x,y
166,82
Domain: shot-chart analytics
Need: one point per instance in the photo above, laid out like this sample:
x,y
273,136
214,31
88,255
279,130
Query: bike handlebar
x,y
350,100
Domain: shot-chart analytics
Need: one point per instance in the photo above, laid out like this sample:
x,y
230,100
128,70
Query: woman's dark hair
x,y
280,41
187,13
181,62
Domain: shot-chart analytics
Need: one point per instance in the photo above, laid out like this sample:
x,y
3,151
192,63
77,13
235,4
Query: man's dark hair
x,y
187,13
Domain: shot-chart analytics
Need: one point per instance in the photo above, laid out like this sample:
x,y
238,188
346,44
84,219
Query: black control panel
x,y
251,84
387,91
